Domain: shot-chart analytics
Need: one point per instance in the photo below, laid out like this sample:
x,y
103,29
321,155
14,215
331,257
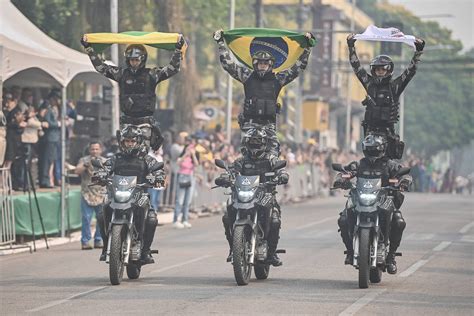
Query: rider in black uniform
x,y
262,87
132,160
383,93
375,162
255,161
137,84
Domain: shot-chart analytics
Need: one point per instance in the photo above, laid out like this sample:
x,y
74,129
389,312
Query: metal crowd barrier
x,y
7,225
304,183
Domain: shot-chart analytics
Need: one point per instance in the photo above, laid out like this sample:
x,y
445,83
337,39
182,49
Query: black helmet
x,y
263,56
131,132
374,146
136,51
255,142
382,61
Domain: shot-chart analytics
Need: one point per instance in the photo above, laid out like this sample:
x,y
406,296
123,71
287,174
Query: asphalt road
x,y
436,272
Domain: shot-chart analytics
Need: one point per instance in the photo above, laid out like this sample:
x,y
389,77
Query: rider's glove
x,y
100,177
283,178
351,40
419,45
404,184
223,180
84,43
310,37
218,36
156,178
180,42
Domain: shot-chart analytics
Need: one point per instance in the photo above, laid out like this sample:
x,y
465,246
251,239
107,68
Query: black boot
x,y
391,263
229,257
349,258
146,257
274,260
103,255
150,228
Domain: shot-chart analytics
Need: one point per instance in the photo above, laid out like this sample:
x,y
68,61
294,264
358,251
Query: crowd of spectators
x,y
32,129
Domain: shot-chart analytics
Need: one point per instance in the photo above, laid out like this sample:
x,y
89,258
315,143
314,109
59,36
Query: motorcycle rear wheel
x,y
133,271
364,258
261,271
116,265
240,254
375,275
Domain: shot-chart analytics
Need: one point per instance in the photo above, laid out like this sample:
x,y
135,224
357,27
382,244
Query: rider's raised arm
x,y
111,72
238,72
400,83
360,72
163,73
290,74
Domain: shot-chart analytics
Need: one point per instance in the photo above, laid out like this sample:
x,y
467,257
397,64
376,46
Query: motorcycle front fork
x,y
374,248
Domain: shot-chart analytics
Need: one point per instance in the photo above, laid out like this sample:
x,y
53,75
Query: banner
x,y
100,41
285,46
390,34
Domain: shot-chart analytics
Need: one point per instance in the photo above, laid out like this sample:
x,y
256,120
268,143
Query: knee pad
x,y
398,223
152,219
342,220
275,220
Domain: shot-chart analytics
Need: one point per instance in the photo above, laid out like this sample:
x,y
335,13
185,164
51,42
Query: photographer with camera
x,y
92,197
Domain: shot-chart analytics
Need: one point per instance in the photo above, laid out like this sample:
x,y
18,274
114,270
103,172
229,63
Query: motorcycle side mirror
x,y
338,167
280,164
403,171
96,163
220,163
158,166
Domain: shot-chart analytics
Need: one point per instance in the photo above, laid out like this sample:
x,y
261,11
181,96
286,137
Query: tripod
x,y
28,185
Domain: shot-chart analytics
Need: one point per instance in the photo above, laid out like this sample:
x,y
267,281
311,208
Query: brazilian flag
x,y
100,41
285,46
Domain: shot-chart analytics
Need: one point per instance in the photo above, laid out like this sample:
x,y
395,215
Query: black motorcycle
x,y
373,207
129,203
253,200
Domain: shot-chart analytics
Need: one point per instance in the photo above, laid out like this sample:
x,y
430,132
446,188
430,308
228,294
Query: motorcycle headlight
x,y
368,198
123,196
246,196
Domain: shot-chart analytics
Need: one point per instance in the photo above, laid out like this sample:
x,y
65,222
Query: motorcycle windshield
x,y
368,190
123,187
246,187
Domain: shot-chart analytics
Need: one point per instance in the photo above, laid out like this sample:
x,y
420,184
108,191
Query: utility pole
x,y
349,91
229,79
299,87
115,60
259,13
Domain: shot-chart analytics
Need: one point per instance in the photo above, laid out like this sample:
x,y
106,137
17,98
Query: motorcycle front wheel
x,y
116,265
364,258
240,254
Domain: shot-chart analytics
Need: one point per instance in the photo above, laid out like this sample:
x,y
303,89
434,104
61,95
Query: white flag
x,y
390,34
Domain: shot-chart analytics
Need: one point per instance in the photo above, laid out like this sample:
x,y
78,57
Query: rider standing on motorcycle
x,y
255,161
383,93
137,84
132,160
262,87
374,163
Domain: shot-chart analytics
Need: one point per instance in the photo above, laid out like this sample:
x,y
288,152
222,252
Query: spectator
x,y
187,162
155,193
3,136
26,99
51,138
92,197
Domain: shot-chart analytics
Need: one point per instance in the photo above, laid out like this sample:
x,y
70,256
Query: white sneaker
x,y
178,225
187,225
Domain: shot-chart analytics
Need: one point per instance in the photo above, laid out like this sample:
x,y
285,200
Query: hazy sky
x,y
460,23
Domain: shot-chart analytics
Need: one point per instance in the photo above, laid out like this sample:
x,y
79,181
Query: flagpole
x,y
229,79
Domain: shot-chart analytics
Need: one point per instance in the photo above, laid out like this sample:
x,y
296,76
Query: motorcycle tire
x,y
364,258
375,275
133,271
261,271
116,265
240,254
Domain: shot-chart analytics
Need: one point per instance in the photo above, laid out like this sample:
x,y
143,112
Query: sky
x,y
461,22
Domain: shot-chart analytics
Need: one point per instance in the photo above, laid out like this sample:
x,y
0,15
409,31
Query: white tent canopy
x,y
24,47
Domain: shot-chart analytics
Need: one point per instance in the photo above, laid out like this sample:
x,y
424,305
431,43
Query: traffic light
x,y
392,48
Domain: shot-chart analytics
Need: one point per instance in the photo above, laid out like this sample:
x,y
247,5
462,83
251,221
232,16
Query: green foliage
x,y
439,112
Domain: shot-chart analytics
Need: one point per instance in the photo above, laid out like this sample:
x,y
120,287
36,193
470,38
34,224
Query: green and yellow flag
x,y
100,41
285,46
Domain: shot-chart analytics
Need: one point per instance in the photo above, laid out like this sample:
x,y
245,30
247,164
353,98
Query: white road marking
x,y
413,268
466,228
443,245
420,236
361,302
324,220
181,264
467,238
58,302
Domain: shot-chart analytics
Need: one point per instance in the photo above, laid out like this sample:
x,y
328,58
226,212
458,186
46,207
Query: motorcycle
x,y
253,202
373,207
128,201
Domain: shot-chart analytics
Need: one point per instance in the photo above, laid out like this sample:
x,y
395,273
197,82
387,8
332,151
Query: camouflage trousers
x,y
273,148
